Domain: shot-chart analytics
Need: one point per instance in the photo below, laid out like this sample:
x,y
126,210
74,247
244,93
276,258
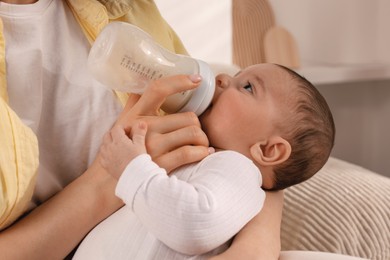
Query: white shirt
x,y
51,90
194,211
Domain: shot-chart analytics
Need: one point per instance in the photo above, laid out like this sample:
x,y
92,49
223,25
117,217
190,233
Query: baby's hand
x,y
118,149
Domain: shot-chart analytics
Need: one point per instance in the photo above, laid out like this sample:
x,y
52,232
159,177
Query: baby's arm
x,y
118,149
217,198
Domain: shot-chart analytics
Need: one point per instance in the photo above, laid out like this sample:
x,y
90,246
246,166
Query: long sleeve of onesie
x,y
199,207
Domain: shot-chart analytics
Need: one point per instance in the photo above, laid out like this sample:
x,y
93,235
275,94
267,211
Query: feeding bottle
x,y
125,58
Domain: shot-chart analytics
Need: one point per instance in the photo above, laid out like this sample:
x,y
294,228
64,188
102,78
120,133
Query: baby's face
x,y
247,107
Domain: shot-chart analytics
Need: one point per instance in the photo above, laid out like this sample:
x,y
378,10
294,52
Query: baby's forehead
x,y
270,71
276,79
281,77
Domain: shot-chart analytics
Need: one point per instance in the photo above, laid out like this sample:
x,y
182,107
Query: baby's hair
x,y
310,130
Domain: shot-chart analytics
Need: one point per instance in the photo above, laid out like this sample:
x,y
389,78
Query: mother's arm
x,y
260,238
55,228
52,230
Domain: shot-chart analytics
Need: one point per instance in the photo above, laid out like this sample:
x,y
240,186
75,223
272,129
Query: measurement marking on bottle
x,y
141,70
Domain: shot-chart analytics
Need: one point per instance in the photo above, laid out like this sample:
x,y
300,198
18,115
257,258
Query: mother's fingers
x,y
159,144
172,122
132,100
158,90
181,156
128,113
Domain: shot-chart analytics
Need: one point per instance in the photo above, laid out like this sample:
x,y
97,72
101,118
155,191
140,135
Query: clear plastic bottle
x,y
125,58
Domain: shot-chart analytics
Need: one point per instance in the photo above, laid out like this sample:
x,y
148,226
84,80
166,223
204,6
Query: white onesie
x,y
190,214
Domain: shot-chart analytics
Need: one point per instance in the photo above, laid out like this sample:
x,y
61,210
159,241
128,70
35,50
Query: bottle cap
x,y
202,95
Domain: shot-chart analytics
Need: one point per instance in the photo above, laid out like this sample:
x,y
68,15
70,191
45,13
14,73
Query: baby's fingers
x,y
139,133
118,134
107,138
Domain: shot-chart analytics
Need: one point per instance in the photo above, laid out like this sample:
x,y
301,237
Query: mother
x,y
53,112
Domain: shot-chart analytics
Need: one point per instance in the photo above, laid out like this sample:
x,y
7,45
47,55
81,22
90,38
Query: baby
x,y
270,128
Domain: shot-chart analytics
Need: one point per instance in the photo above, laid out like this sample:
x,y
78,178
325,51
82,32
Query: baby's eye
x,y
248,88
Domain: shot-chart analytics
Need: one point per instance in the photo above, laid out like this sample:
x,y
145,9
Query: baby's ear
x,y
274,151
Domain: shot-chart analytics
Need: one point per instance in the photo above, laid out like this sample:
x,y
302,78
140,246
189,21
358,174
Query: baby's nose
x,y
222,81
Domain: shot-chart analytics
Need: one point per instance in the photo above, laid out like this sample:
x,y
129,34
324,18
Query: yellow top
x,y
19,146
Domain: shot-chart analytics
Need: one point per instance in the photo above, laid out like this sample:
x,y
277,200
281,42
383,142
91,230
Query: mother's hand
x,y
172,140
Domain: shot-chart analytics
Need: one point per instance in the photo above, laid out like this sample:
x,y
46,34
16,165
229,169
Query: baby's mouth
x,y
206,111
208,108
